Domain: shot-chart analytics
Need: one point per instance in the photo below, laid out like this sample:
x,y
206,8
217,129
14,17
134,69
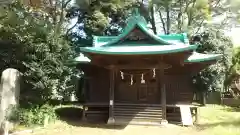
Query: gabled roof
x,y
138,50
165,44
173,39
193,58
135,21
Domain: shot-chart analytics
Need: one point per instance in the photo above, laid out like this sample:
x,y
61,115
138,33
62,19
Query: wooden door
x,y
142,93
148,93
153,93
137,92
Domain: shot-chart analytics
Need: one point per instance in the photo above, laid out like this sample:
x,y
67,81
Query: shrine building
x,y
140,77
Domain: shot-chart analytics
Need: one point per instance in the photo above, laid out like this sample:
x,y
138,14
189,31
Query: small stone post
x,y
9,97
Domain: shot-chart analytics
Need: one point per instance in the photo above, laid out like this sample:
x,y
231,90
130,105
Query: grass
x,y
219,120
213,120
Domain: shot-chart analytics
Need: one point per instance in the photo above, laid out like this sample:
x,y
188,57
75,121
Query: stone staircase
x,y
143,114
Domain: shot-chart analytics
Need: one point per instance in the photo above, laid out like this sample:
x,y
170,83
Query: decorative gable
x,y
136,35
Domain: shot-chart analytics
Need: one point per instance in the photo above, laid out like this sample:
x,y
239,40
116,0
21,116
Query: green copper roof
x,y
194,58
102,40
136,21
200,57
133,50
171,39
164,44
143,28
82,59
176,38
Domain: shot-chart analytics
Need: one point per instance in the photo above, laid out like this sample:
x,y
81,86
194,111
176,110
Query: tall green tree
x,y
99,17
44,52
191,16
214,77
214,41
234,70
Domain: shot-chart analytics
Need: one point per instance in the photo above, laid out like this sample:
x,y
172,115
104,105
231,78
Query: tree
x,y
234,69
100,17
44,53
191,16
236,60
214,77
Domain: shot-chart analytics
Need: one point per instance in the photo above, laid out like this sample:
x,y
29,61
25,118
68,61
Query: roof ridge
x,y
130,27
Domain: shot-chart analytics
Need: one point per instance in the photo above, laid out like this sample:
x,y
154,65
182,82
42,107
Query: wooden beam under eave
x,y
142,66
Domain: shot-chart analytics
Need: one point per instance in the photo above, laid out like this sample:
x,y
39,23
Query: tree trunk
x,y
180,17
61,16
168,18
190,14
163,23
153,20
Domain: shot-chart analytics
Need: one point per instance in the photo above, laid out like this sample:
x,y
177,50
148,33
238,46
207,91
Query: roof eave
x,y
82,59
199,60
90,50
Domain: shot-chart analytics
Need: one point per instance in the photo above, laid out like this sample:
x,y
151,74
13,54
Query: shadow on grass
x,y
72,116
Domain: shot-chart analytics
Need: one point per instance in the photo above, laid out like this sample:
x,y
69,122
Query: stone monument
x,y
9,97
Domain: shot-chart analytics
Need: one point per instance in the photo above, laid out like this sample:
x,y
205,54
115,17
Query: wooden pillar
x,y
84,113
83,88
163,95
196,115
111,119
164,107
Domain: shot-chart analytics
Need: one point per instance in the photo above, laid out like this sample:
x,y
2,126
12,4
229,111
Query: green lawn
x,y
213,120
219,120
